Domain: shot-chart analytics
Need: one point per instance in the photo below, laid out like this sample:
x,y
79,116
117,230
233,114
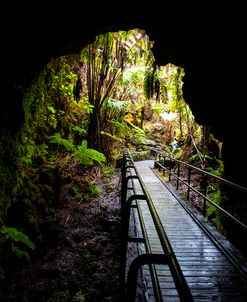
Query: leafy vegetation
x,y
81,153
213,213
13,237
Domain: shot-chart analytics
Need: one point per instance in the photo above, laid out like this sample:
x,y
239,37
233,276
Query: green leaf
x,y
114,137
57,139
82,131
20,253
52,109
16,236
88,156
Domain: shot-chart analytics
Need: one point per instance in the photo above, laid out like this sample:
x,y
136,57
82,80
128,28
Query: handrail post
x,y
178,172
170,167
123,178
205,188
188,187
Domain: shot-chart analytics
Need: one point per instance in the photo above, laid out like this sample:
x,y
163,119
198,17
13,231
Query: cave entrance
x,y
112,93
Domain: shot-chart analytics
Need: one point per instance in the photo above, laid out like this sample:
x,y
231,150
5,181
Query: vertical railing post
x,y
164,159
178,173
124,186
205,188
170,167
189,178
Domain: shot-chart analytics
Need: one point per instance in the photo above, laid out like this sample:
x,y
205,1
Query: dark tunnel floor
x,y
82,262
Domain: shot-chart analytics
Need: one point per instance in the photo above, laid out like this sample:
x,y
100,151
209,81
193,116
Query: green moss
x,y
95,191
8,180
60,296
76,193
213,214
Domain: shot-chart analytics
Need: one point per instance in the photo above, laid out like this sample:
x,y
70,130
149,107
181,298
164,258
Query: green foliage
x,y
65,296
60,296
52,117
106,61
82,153
214,166
87,156
113,137
95,191
76,193
140,135
120,128
149,81
213,213
114,105
57,139
193,158
107,169
141,155
79,297
216,172
8,158
158,108
14,237
80,130
89,107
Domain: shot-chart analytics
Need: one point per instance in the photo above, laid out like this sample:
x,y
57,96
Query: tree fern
x,y
148,84
151,83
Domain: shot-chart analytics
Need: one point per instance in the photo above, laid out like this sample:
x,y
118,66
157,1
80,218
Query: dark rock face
x,y
207,41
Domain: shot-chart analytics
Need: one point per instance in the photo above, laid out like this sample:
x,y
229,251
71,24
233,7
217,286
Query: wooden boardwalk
x,y
209,273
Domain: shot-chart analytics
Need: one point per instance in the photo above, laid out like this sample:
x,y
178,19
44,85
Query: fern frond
x,y
14,235
57,139
20,253
82,131
114,137
88,156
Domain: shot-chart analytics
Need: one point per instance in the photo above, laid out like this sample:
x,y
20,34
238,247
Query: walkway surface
x,y
209,273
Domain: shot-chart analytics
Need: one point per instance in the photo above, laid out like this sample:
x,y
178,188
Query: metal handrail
x,y
136,262
126,205
223,180
176,175
168,257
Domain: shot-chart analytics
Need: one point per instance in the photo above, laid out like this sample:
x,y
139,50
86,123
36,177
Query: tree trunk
x,y
93,135
142,118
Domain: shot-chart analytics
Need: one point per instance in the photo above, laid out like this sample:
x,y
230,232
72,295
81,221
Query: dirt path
x,y
81,259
